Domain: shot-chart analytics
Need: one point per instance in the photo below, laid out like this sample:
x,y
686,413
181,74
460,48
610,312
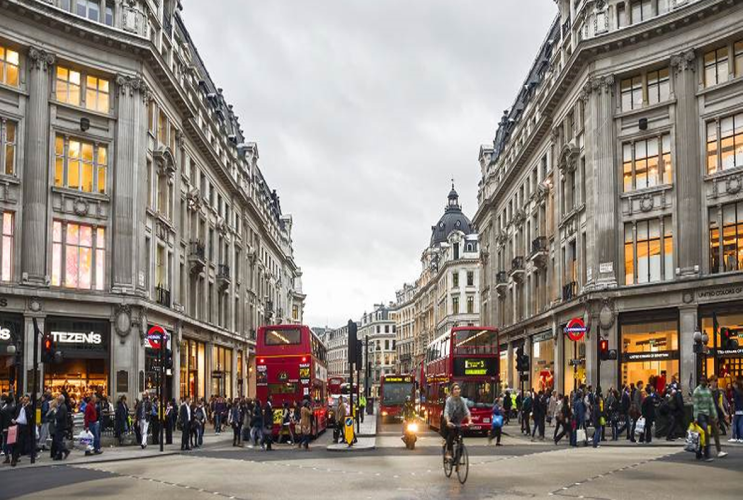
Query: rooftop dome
x,y
452,220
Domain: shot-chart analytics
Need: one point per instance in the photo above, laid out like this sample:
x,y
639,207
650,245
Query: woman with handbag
x,y
497,424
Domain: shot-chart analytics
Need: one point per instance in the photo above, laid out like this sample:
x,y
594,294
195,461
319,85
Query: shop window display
x,y
726,364
192,368
574,364
650,352
543,365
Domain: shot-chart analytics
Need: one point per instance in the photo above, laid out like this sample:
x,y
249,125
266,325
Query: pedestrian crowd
x,y
638,411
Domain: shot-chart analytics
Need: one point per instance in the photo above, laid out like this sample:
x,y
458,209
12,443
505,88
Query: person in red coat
x,y
92,423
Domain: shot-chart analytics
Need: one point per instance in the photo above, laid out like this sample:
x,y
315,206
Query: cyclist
x,y
456,413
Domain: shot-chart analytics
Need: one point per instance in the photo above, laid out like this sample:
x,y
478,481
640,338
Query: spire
x,y
453,197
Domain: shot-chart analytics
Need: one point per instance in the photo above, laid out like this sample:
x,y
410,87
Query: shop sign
x,y
730,353
3,302
606,267
575,329
720,293
4,334
153,337
91,338
649,356
577,362
541,337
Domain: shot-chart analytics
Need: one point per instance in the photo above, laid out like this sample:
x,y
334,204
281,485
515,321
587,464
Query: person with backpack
x,y
496,427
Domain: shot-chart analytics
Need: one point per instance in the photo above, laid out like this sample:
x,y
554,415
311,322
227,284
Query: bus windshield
x,y
283,337
395,394
478,394
475,341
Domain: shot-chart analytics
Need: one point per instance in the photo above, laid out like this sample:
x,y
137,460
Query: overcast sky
x,y
363,110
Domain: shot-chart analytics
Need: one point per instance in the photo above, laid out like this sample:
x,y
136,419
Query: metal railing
x,y
501,278
162,296
517,264
223,271
539,244
197,250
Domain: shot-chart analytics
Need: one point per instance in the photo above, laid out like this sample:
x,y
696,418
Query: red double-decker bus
x,y
291,366
393,391
467,355
334,384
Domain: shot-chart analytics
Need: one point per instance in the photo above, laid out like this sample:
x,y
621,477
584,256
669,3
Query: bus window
x,y
283,337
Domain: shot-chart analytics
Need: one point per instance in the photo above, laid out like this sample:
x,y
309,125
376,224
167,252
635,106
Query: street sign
x,y
153,336
575,329
348,430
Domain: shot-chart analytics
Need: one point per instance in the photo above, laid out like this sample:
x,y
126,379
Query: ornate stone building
x,y
130,198
611,192
447,292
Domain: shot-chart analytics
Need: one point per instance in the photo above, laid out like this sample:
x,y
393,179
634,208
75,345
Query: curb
x,y
89,462
355,448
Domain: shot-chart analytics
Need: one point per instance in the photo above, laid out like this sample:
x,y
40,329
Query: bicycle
x,y
460,460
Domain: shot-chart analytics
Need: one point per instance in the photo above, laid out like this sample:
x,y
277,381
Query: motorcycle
x,y
410,435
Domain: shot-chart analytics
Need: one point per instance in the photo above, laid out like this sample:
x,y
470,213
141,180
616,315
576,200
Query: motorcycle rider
x,y
408,414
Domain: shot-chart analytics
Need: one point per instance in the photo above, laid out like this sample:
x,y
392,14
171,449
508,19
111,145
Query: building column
x,y
601,153
559,355
688,324
509,365
25,373
208,355
528,352
609,373
235,371
130,146
36,170
687,163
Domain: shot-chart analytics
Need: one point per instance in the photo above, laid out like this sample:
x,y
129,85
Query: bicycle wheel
x,y
463,469
448,466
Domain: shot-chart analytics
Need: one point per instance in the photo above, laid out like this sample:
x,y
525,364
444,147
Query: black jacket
x,y
60,419
648,408
268,415
183,416
122,413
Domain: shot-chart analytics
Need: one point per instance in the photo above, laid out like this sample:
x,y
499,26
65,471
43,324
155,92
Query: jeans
x,y
256,435
738,427
200,435
217,423
451,435
495,433
236,432
597,435
560,430
144,425
95,430
703,421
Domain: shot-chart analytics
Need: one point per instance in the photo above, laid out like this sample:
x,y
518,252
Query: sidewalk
x,y
368,427
117,453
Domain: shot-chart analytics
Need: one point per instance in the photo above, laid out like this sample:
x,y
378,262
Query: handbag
x,y
12,435
693,441
640,425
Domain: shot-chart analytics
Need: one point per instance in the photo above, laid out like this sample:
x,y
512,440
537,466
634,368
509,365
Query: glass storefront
x,y
240,387
503,366
649,348
574,363
193,369
84,367
152,370
542,362
222,371
727,364
11,334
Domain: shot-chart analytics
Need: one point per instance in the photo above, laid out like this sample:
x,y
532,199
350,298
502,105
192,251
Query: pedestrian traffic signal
x,y
603,349
47,349
352,341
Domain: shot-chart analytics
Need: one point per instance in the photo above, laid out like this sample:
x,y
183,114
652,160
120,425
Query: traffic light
x,y
352,341
603,349
168,359
47,349
728,338
522,360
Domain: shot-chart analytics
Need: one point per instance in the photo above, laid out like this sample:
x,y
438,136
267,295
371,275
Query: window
x,y
89,9
659,87
455,305
6,249
386,329
455,279
651,258
78,256
109,19
641,10
470,278
726,246
68,86
80,165
8,141
470,304
647,163
9,62
96,94
725,143
738,55
716,67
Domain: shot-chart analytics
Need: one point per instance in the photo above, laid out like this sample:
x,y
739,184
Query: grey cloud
x,y
363,110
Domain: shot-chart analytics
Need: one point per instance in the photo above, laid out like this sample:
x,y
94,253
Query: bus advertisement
x,y
393,391
291,367
469,356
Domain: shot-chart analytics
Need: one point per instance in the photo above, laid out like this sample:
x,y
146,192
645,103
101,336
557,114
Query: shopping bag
x,y
692,441
640,425
12,435
580,435
497,421
85,440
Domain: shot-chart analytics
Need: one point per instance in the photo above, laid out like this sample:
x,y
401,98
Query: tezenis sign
x,y
77,338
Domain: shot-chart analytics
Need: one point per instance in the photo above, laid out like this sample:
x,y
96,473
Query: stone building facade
x,y
131,198
610,195
447,292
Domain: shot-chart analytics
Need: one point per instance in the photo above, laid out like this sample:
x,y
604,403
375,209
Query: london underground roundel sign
x,y
575,329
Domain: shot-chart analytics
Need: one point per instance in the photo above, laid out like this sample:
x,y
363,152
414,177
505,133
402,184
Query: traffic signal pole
x,y
161,385
32,427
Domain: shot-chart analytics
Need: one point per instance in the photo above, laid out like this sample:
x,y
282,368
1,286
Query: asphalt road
x,y
519,469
